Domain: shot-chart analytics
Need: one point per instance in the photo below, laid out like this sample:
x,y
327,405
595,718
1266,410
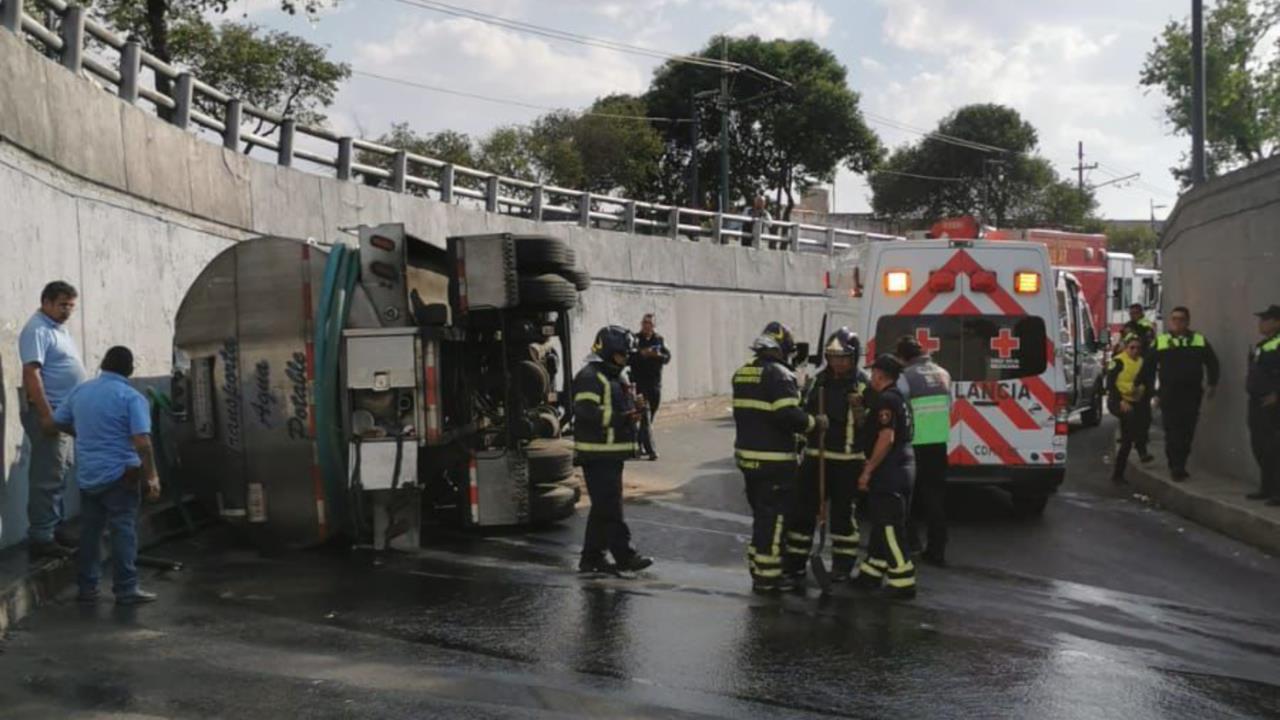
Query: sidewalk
x,y
1215,501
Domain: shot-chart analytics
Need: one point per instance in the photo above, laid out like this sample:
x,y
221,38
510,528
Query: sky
x,y
1071,69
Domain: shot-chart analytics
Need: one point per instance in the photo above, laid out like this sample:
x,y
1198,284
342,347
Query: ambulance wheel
x,y
549,461
1029,504
538,254
547,292
1092,415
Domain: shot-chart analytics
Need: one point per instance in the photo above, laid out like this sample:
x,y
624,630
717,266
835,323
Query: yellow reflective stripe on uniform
x,y
607,402
901,582
848,435
1272,344
766,406
1166,341
867,569
892,538
765,456
832,455
587,396
604,447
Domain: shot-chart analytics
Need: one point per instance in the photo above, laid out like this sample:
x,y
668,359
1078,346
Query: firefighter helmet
x,y
843,342
776,336
613,340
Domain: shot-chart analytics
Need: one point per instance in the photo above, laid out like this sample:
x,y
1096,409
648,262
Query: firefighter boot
x,y
634,563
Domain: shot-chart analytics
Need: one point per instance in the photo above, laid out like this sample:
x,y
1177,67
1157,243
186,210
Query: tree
x,y
447,145
938,178
507,151
1140,240
784,137
604,150
1242,87
272,70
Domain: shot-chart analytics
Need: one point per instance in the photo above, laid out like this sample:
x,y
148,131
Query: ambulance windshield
x,y
973,347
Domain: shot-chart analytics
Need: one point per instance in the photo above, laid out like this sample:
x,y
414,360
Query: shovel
x,y
816,565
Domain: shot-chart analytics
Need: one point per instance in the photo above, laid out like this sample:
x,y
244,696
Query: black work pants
x,y
1135,429
1264,437
771,494
842,486
929,499
606,529
1180,409
652,394
888,559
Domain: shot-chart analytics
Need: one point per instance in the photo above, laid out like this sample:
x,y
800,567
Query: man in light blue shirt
x,y
114,461
51,368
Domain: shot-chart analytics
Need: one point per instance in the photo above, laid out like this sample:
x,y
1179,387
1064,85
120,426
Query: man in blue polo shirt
x,y
114,462
51,367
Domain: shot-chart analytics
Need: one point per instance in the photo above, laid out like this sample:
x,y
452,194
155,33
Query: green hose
x,y
341,272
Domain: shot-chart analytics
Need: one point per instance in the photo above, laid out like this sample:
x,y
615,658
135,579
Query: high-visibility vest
x,y
1130,368
929,392
1167,340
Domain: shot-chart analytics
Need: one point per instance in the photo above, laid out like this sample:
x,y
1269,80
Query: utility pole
x,y
724,124
1197,93
695,200
1081,167
1154,208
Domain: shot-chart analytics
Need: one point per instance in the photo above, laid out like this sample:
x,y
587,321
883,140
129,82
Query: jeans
x,y
46,477
116,507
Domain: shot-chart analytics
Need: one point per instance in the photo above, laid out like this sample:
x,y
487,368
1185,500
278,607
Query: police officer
x,y
605,417
646,372
1180,362
887,477
837,393
927,386
1263,385
1139,326
767,413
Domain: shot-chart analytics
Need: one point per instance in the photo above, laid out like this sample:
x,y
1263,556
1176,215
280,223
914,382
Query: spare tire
x,y
549,460
581,279
547,292
540,254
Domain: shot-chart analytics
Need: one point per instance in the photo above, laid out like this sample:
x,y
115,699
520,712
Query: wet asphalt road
x,y
1104,608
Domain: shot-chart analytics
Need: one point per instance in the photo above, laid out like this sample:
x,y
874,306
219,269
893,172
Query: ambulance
x,y
1010,330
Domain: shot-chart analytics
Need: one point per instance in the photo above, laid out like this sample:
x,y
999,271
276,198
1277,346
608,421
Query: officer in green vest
x,y
927,387
1263,385
1138,326
1181,361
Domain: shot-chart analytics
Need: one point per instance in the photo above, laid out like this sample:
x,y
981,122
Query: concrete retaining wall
x,y
1221,259
129,209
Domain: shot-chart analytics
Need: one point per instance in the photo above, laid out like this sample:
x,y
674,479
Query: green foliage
x,y
1242,87
508,151
447,145
1140,240
597,152
934,179
154,21
782,139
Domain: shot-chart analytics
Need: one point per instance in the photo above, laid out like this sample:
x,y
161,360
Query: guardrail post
x,y
399,169
284,156
717,226
11,15
793,236
491,193
757,230
673,223
584,209
831,240
72,37
182,92
130,66
446,183
231,119
629,216
345,147
536,202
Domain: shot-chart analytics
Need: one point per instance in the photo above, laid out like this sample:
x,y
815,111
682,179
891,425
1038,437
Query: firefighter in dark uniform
x,y
605,417
768,416
887,478
838,392
927,387
1139,326
1263,385
1178,365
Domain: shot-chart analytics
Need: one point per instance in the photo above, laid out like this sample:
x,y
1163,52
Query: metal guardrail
x,y
408,172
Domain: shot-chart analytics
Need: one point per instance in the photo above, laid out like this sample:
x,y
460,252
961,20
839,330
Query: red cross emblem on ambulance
x,y
1005,343
928,342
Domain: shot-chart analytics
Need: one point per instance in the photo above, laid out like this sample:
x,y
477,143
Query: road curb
x,y
1212,506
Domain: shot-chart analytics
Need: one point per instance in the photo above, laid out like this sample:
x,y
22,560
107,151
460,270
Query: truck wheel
x,y
549,460
581,279
553,506
533,381
1029,504
547,292
1092,415
539,254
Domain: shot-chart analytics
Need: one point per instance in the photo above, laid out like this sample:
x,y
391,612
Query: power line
x,y
921,177
504,101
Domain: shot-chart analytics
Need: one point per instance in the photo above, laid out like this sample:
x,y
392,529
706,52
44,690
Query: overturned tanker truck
x,y
375,390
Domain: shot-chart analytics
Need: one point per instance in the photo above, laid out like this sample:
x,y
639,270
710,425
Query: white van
x,y
989,313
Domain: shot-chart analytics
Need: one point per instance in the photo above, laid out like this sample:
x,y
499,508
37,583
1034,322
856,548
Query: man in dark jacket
x,y
1180,361
604,435
766,410
837,393
647,361
1139,326
1263,386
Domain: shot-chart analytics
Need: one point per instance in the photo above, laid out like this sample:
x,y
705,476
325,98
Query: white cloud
x,y
785,19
